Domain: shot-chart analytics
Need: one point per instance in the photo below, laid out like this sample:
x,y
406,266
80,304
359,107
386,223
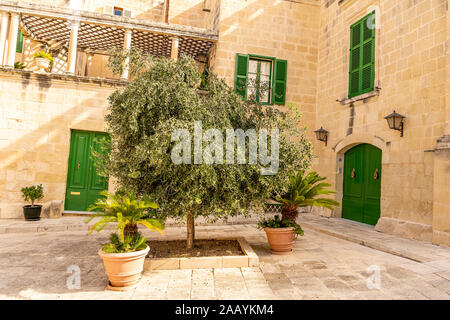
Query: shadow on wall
x,y
37,126
188,13
281,29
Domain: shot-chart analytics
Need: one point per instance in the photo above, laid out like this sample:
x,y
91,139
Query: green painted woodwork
x,y
19,45
362,184
240,83
277,91
362,56
83,183
279,82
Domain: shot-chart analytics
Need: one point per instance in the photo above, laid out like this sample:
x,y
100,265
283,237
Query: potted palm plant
x,y
304,190
43,59
32,212
124,255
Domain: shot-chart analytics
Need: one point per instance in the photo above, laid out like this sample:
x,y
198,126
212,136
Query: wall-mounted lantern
x,y
322,135
395,122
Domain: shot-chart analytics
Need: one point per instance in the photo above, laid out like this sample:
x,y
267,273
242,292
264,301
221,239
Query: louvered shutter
x,y
362,56
240,82
127,13
19,45
279,83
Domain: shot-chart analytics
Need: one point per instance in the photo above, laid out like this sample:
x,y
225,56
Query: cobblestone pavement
x,y
35,266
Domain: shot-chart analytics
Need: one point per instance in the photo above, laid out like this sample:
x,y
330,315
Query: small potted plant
x,y
32,212
281,234
43,59
124,256
19,65
304,191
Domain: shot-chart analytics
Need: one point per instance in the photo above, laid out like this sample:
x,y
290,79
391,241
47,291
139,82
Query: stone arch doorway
x,y
361,185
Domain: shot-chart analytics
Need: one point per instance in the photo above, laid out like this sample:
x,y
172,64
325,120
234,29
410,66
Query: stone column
x,y
72,55
12,40
126,48
175,44
3,29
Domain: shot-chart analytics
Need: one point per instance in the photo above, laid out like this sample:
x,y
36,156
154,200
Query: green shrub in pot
x,y
32,212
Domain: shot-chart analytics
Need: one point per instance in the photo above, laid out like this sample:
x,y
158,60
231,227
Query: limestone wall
x,y
37,113
185,12
410,70
188,12
282,29
141,9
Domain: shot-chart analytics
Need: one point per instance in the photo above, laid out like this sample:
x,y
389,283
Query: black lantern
x,y
395,122
322,135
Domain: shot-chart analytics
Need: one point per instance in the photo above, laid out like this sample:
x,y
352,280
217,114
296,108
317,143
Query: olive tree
x,y
163,100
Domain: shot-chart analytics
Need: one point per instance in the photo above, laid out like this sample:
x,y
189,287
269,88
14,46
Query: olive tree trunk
x,y
190,224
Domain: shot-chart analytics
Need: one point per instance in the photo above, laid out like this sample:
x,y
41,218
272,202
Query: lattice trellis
x,y
273,208
100,37
46,29
152,43
194,47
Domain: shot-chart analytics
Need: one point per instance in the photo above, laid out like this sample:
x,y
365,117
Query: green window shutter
x,y
19,46
279,82
362,56
240,81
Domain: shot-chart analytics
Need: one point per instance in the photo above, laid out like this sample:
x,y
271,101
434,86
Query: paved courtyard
x,y
37,265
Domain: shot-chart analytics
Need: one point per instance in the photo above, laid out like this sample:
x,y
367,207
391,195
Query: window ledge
x,y
364,97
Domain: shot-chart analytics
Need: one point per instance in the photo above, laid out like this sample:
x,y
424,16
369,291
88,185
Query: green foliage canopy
x,y
164,98
125,209
33,193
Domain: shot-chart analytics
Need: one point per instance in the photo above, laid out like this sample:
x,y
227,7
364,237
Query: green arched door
x,y
362,184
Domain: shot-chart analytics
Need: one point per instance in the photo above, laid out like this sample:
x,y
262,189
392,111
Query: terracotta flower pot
x,y
124,269
280,240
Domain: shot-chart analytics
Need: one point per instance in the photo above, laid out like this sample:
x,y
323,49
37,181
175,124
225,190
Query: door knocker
x,y
353,173
375,174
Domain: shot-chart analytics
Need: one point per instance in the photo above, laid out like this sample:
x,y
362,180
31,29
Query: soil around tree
x,y
202,248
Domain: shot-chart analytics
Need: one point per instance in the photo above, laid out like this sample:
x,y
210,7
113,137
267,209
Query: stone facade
x,y
411,77
410,70
37,114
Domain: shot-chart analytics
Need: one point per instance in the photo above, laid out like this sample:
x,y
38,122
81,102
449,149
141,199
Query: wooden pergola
x,y
99,32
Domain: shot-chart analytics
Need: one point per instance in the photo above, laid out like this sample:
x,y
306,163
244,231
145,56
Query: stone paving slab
x,y
367,236
77,223
40,265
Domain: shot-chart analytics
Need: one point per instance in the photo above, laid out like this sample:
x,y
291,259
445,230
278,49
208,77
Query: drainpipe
x,y
166,11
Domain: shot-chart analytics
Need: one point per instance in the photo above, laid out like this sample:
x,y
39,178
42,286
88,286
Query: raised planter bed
x,y
248,258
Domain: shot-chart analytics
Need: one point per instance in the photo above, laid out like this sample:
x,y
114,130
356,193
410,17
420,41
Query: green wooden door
x,y
362,184
83,183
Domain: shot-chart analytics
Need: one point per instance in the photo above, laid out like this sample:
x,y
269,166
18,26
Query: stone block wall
x,y
410,70
35,130
141,9
282,29
188,12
